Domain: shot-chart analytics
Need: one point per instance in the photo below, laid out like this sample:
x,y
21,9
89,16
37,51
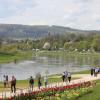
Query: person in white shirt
x,y
96,71
66,76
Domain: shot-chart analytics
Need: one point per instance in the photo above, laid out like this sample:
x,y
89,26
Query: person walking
x,y
92,71
13,84
4,81
31,83
63,76
69,76
66,76
7,80
96,72
46,80
39,82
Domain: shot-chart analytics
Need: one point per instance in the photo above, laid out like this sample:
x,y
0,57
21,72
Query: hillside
x,y
39,31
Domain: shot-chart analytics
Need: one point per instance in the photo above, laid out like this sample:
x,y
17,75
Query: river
x,y
46,65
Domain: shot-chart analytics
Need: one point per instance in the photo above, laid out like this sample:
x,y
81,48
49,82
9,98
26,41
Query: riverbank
x,y
65,53
23,55
20,55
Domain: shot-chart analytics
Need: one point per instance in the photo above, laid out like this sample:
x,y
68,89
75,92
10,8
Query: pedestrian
x,y
69,76
99,70
63,76
4,81
96,72
31,83
46,80
7,80
66,76
92,71
13,84
39,82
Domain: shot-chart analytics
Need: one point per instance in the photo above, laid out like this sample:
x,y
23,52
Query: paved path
x,y
83,78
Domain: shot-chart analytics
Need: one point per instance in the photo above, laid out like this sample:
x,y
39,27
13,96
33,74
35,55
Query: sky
x,y
79,14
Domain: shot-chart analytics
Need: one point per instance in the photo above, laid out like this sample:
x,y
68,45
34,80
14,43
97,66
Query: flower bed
x,y
59,93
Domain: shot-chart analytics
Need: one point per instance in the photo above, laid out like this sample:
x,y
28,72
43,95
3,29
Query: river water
x,y
46,65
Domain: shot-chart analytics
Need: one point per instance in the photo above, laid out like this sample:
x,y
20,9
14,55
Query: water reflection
x,y
22,70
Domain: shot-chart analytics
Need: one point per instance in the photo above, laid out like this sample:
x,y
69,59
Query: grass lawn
x,y
95,95
6,58
65,53
83,72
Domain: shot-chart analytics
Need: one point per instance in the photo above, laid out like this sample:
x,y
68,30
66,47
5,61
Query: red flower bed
x,y
52,90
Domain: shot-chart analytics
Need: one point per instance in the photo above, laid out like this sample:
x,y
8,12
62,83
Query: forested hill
x,y
39,31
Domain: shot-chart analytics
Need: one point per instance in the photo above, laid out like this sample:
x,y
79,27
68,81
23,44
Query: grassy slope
x,y
95,95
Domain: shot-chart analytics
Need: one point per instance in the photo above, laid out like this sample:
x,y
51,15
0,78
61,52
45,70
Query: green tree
x,y
66,45
96,43
55,46
83,45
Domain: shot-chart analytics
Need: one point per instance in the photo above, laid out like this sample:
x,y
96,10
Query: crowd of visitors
x,y
66,77
12,82
94,71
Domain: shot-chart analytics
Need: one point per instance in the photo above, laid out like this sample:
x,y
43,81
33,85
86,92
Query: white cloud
x,y
12,7
82,14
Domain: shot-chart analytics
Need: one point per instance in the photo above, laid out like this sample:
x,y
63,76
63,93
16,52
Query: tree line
x,y
69,42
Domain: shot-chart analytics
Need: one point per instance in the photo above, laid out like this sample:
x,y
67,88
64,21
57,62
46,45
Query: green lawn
x,y
65,53
83,72
95,95
6,58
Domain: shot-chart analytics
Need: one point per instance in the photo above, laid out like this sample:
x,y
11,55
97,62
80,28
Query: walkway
x,y
83,78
